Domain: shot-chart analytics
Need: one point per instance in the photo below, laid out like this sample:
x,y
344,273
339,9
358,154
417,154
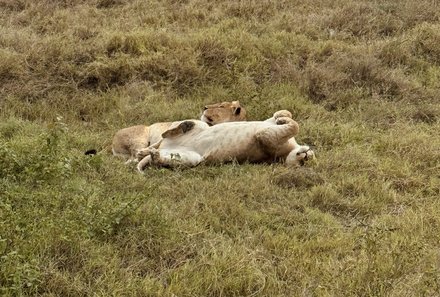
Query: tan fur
x,y
223,112
267,141
128,141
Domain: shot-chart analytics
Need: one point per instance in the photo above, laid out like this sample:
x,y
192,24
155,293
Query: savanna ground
x,y
361,77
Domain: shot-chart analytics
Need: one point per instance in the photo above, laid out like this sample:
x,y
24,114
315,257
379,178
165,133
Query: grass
x,y
361,78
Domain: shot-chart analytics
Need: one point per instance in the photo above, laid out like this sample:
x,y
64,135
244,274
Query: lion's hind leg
x,y
282,114
144,163
279,114
275,136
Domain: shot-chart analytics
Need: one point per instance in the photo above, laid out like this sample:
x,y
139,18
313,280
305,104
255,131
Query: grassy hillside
x,y
361,77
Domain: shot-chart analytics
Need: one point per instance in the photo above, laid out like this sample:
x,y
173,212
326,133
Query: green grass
x,y
361,78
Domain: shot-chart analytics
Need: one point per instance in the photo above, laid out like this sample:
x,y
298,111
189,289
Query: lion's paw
x,y
282,113
149,151
154,153
305,154
300,156
142,153
284,121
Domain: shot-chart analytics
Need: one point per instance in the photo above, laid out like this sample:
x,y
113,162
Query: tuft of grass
x,y
363,20
299,178
427,36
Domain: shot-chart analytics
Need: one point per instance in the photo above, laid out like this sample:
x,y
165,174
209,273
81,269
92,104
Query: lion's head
x,y
223,112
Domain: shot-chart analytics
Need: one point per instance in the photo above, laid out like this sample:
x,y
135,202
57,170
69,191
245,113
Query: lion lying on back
x,y
128,141
191,142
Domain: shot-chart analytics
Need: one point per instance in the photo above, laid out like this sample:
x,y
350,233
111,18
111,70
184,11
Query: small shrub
x,y
38,162
18,275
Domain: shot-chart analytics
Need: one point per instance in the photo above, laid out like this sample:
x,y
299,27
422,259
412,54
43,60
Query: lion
x,y
128,141
191,142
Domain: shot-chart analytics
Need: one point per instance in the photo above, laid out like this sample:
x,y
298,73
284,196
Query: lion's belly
x,y
239,152
232,144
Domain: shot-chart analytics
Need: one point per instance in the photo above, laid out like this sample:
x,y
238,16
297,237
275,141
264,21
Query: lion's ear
x,y
237,110
236,103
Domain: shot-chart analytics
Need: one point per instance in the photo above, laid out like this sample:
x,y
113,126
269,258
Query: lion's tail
x,y
93,151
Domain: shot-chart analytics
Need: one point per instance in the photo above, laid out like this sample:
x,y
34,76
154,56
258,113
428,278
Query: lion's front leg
x,y
144,163
145,157
170,158
142,153
177,158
